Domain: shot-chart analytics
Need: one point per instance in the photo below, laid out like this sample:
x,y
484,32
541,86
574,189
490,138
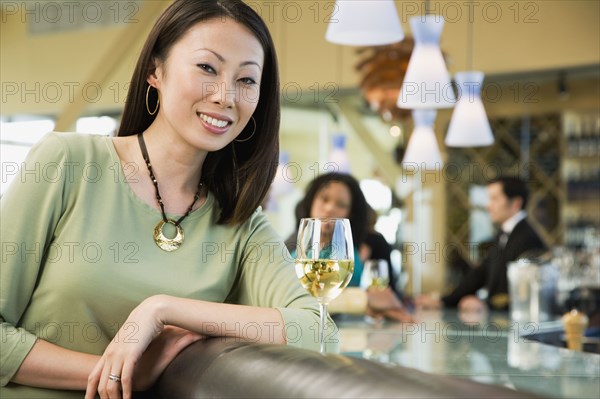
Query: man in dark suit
x,y
506,206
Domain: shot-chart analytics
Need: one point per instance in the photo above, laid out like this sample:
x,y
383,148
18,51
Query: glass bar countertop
x,y
488,349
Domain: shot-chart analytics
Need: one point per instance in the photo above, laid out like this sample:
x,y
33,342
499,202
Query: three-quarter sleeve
x,y
267,279
30,211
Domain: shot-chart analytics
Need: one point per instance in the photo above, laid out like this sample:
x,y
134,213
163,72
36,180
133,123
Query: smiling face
x,y
209,84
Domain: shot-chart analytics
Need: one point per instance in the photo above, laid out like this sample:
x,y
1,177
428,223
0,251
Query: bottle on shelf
x,y
583,181
574,138
582,135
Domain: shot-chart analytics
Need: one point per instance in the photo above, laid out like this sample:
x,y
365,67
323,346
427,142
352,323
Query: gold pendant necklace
x,y
168,244
164,243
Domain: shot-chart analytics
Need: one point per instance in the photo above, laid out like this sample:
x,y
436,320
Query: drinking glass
x,y
324,261
375,274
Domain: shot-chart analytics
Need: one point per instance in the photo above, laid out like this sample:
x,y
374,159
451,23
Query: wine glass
x,y
375,274
324,260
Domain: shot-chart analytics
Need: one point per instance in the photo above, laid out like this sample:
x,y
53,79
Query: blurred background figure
x,y
338,195
516,238
335,195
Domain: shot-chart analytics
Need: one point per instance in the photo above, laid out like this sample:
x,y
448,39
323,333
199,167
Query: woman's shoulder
x,y
257,220
75,146
78,140
376,240
258,227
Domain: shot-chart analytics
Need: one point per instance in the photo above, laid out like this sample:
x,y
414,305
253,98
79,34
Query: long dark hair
x,y
238,177
358,209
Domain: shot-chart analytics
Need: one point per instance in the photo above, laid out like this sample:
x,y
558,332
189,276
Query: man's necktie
x,y
503,239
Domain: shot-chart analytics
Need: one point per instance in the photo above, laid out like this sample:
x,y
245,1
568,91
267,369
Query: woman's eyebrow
x,y
222,59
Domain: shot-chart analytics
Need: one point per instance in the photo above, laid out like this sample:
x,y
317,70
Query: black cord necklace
x,y
166,244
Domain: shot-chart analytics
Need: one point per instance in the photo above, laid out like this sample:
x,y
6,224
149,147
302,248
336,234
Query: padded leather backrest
x,y
222,368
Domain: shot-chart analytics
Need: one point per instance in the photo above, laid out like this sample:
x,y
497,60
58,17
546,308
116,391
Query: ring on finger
x,y
114,377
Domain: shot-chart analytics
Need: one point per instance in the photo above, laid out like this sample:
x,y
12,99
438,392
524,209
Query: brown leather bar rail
x,y
219,368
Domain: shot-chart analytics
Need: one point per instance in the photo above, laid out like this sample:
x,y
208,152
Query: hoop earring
x,y
148,106
252,135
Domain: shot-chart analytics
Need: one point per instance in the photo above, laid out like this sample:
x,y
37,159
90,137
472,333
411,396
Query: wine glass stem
x,y
323,311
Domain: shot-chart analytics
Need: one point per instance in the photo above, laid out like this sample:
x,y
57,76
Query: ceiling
x,y
510,37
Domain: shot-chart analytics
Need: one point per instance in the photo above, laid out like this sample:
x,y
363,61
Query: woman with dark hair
x,y
338,195
101,288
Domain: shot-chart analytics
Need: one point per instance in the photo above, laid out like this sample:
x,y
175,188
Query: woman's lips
x,y
214,124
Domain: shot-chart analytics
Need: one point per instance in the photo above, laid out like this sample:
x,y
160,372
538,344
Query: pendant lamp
x,y
422,150
364,23
426,84
469,126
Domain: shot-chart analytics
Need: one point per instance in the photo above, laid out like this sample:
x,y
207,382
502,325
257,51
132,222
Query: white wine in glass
x,y
375,275
324,261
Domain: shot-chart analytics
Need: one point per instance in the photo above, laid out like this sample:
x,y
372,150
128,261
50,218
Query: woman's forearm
x,y
249,323
50,366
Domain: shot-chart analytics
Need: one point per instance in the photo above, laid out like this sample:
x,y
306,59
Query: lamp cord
x,y
471,22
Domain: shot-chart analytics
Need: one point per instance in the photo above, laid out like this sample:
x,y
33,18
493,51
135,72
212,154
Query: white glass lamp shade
x,y
364,23
422,151
469,126
427,83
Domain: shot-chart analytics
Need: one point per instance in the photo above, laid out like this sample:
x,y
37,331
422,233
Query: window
x,y
16,138
22,132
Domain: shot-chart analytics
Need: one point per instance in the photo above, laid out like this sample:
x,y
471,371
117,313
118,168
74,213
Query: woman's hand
x,y
382,299
135,361
159,354
384,303
114,371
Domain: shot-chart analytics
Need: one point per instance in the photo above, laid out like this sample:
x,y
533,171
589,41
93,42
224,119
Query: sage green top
x,y
78,255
